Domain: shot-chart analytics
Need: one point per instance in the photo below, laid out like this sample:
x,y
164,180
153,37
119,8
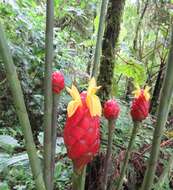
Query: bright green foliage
x,y
132,68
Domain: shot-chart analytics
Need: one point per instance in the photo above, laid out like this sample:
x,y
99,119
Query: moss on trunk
x,y
111,34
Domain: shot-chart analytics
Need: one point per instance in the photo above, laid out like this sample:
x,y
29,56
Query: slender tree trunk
x,y
21,111
48,95
159,81
163,110
99,38
111,34
157,89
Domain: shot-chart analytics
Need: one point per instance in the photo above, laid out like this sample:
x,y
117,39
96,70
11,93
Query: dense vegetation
x,y
135,51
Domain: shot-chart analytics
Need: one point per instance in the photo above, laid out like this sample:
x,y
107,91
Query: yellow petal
x,y
146,92
137,93
97,106
68,90
94,90
92,82
147,88
72,107
94,105
75,103
92,101
73,92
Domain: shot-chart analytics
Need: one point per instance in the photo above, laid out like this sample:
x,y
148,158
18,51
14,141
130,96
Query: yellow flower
x,y
75,103
145,92
92,101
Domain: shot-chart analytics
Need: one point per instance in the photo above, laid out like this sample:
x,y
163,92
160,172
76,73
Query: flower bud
x,y
57,82
111,109
140,105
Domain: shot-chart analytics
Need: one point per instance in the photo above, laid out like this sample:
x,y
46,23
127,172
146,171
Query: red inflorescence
x,y
111,109
140,107
57,82
81,135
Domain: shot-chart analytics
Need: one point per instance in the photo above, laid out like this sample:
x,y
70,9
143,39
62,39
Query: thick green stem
x,y
163,110
79,179
48,94
108,154
165,174
99,38
54,132
21,111
127,155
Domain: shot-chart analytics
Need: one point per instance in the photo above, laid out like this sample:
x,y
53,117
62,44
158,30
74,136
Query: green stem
x,y
99,37
163,110
108,154
127,155
48,94
54,132
164,175
21,111
79,179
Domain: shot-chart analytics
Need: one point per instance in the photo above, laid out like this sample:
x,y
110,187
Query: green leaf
x,y
132,68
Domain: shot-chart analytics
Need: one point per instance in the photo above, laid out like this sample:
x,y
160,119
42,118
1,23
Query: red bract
x,y
111,109
57,82
81,132
82,137
140,106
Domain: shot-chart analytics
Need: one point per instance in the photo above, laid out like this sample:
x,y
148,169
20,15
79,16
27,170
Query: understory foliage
x,y
140,57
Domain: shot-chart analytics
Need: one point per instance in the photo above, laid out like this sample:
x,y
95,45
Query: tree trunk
x,y
100,33
157,89
111,34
